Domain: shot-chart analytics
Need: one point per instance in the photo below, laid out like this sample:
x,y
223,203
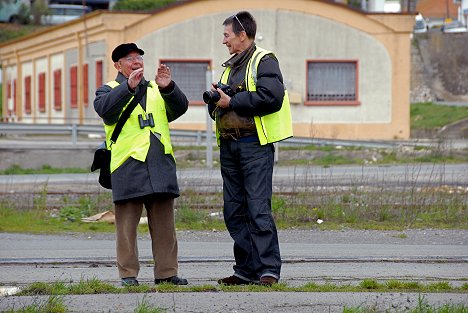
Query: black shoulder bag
x,y
102,156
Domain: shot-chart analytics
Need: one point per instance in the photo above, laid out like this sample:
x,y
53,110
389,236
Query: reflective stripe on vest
x,y
133,141
273,127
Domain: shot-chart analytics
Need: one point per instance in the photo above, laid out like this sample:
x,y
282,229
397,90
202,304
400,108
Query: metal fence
x,y
178,136
76,130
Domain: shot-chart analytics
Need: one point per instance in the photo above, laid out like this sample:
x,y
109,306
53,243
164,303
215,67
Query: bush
x,y
140,5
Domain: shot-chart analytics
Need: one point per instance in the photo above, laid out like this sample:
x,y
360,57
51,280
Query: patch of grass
x,y
428,115
45,169
198,219
144,306
41,221
94,286
370,284
9,31
441,207
53,304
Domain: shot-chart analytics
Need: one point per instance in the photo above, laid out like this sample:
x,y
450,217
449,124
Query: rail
x,y
75,130
192,137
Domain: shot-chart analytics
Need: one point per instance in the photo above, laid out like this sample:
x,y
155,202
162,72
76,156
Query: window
x,y
58,90
190,77
42,92
332,83
27,94
99,69
85,85
74,86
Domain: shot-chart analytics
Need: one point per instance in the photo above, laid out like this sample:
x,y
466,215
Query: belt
x,y
237,134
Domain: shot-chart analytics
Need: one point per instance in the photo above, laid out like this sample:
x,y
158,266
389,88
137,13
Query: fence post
x,y
74,133
209,124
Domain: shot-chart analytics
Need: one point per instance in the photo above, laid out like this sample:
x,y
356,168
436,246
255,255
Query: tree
x,y
38,9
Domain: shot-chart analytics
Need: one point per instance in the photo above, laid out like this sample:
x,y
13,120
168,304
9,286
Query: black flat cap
x,y
122,50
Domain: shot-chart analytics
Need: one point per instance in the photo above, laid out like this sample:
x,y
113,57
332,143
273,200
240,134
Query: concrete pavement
x,y
340,257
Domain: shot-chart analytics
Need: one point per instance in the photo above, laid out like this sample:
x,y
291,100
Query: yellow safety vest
x,y
133,141
273,127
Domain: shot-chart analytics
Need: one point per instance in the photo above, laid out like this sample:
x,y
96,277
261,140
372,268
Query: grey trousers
x,y
160,212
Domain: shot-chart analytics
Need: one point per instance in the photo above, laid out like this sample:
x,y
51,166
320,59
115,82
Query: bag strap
x,y
126,113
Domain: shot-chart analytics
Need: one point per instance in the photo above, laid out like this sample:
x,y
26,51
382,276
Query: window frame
x,y
355,102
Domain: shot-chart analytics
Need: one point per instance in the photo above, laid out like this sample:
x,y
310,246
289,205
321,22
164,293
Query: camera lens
x,y
211,96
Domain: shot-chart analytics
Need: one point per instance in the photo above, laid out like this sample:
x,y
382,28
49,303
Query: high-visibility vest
x,y
133,141
273,127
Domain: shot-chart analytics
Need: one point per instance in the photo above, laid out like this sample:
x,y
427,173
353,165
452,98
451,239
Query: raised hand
x,y
163,76
134,78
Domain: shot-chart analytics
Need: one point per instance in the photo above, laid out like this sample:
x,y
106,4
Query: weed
x,y
92,286
144,306
40,200
422,307
369,284
54,304
439,286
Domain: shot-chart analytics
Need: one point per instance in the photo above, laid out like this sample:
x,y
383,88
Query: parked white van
x,y
61,13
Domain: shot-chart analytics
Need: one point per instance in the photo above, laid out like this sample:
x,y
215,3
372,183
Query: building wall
x,y
323,40
297,31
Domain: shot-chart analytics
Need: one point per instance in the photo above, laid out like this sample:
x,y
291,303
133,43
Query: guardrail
x,y
181,136
75,130
49,129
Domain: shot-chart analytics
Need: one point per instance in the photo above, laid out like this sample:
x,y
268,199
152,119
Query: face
x,y
129,63
232,41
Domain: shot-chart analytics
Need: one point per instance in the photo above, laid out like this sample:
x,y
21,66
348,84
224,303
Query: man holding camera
x,y
143,170
251,109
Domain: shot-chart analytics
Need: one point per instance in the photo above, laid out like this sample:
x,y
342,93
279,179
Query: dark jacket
x,y
266,99
158,173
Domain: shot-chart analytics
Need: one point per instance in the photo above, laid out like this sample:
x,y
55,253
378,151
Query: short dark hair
x,y
242,21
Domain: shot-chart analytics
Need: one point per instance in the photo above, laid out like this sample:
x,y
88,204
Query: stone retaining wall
x,y
439,70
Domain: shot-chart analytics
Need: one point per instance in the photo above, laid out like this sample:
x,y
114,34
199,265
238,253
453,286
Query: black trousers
x,y
247,171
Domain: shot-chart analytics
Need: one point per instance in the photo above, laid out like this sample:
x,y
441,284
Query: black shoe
x,y
130,281
233,280
171,280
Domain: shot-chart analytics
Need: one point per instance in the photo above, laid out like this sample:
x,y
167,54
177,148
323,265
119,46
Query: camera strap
x,y
128,110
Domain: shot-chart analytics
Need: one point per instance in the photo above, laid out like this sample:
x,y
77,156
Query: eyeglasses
x,y
235,16
132,59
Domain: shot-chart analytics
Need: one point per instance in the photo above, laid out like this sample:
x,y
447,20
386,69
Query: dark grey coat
x,y
158,173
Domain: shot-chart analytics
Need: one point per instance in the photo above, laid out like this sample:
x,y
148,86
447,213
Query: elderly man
x,y
143,170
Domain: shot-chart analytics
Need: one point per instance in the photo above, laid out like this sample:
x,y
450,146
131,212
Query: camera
x,y
148,122
212,96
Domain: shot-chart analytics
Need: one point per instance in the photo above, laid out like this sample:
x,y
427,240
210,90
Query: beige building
x,y
347,72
